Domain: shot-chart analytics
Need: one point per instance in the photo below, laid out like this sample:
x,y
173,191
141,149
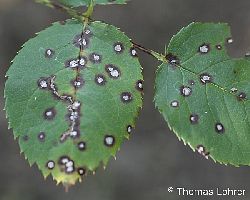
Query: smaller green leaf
x,y
77,3
203,93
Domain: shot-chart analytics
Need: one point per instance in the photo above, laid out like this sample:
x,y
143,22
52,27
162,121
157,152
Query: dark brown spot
x,y
129,129
174,104
95,58
133,52
118,47
81,171
194,119
206,78
80,41
41,136
87,33
100,79
191,82
113,71
204,48
219,47
126,97
78,82
185,91
219,128
172,59
49,114
109,140
50,164
43,83
139,85
49,53
81,146
242,96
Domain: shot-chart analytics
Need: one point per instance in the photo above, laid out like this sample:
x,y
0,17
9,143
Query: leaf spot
x,y
172,59
133,52
206,78
49,53
185,91
109,140
129,129
50,114
204,48
174,104
230,40
100,79
95,58
81,146
139,85
118,47
126,97
219,47
41,136
219,128
202,151
242,96
194,118
50,164
81,171
113,71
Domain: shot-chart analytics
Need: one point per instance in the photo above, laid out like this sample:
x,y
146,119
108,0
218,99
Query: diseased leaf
x,y
72,97
77,3
203,94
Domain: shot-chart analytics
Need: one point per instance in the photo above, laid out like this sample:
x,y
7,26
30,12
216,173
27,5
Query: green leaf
x,y
72,97
77,3
203,94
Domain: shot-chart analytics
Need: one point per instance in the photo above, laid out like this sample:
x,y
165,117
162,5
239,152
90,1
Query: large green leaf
x,y
203,94
77,3
72,97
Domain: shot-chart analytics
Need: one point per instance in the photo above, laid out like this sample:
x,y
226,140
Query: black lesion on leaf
x,y
95,58
191,82
66,164
204,48
49,114
109,140
81,41
113,71
118,47
242,96
81,146
219,128
202,151
81,171
100,79
139,85
43,83
129,129
78,82
185,91
219,47
133,52
49,53
172,59
194,118
41,136
206,78
126,97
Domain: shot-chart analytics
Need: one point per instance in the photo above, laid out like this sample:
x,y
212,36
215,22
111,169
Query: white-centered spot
x,y
118,48
175,104
186,91
133,52
49,113
43,84
205,78
51,164
234,89
129,129
100,80
82,61
204,48
109,140
73,63
76,105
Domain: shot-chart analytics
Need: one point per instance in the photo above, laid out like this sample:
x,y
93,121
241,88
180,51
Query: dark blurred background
x,y
153,159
